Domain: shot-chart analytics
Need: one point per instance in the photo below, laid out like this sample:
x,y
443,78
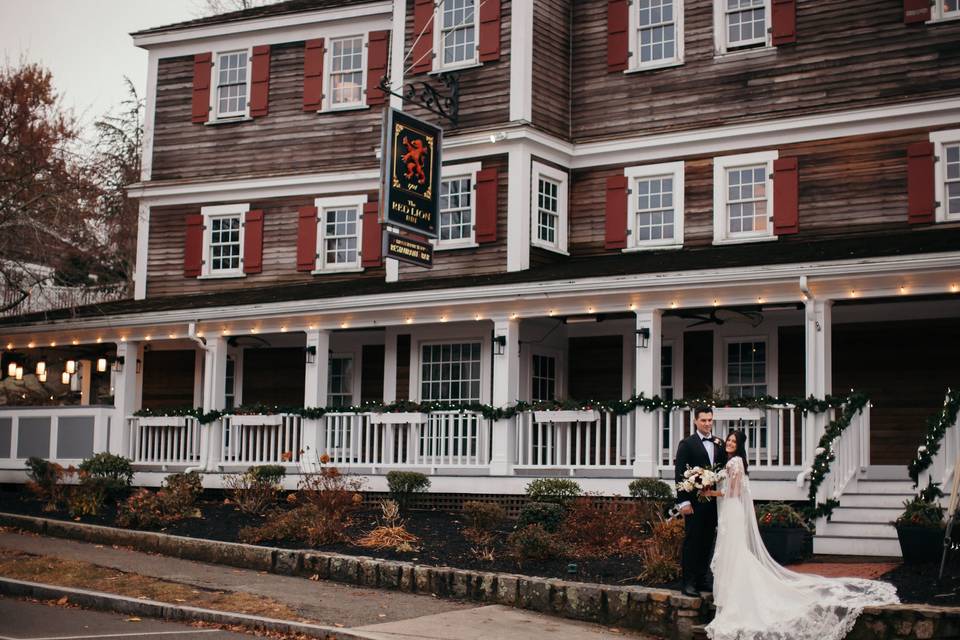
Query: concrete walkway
x,y
383,615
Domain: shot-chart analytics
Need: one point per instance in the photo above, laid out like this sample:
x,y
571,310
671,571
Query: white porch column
x,y
818,322
647,381
506,392
214,398
317,372
390,365
126,395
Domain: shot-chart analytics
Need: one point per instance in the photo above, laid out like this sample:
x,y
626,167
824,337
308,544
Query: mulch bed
x,y
442,543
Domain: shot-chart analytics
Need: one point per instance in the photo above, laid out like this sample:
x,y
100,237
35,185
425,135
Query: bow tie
x,y
707,439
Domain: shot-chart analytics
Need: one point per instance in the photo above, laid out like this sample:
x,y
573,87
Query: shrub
x,y
918,512
46,481
326,502
546,514
778,515
483,516
392,534
142,510
272,473
404,484
556,490
651,489
660,553
594,527
179,495
88,497
113,472
533,543
255,490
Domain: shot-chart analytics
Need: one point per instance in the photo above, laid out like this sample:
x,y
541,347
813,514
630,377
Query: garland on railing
x,y
619,407
936,428
824,455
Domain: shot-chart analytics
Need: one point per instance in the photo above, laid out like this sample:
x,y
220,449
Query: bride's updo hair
x,y
741,451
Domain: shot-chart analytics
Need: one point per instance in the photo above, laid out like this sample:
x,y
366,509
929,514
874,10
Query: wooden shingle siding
x,y
165,259
847,185
849,54
551,66
286,141
484,90
487,258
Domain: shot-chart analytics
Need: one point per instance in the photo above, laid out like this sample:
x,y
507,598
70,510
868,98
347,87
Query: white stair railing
x,y
166,440
944,465
261,439
575,439
851,457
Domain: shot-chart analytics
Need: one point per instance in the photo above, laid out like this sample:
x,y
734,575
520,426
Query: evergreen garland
x,y
936,428
824,455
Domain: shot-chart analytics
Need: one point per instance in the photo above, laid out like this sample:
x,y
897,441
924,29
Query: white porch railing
x,y
778,436
437,439
65,434
261,439
943,468
575,439
851,455
164,440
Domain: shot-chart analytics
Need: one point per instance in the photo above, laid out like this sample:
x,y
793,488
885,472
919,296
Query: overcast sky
x,y
86,44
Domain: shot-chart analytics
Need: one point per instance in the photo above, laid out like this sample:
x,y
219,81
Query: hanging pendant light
x,y
65,378
71,367
101,365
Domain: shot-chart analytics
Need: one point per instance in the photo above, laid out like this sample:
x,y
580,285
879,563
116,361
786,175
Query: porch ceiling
x,y
670,275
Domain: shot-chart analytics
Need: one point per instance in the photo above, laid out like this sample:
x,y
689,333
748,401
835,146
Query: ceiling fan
x,y
719,316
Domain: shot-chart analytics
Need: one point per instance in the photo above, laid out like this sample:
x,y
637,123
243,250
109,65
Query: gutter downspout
x,y
192,334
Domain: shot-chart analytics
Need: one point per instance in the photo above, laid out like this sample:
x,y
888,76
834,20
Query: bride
x,y
756,598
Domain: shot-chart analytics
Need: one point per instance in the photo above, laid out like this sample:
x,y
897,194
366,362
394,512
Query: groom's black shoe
x,y
690,590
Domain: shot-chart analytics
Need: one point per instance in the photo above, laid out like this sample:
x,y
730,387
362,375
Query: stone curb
x,y
659,612
154,609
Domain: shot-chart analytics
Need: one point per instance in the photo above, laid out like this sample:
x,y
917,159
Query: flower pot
x,y
785,544
921,544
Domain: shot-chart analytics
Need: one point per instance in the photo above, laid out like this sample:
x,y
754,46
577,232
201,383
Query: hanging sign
x,y
411,173
409,250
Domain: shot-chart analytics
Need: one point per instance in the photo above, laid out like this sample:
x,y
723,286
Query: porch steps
x,y
862,524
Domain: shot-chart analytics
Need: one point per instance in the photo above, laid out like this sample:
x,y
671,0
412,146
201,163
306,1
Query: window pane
x,y
339,244
655,208
450,372
747,199
231,83
346,71
455,209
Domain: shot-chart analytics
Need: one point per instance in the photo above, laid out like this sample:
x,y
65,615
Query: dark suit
x,y
700,528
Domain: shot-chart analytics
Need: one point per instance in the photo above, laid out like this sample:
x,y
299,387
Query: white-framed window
x,y
743,197
346,63
450,372
458,206
746,375
947,174
945,10
340,381
543,378
339,233
741,24
655,205
549,208
656,34
223,240
455,34
231,84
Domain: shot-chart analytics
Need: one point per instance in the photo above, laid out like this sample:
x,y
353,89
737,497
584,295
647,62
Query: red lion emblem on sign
x,y
414,157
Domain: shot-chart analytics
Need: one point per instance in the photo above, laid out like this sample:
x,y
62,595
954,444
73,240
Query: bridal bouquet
x,y
697,480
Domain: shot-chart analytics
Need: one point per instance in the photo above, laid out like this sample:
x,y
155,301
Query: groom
x,y
702,449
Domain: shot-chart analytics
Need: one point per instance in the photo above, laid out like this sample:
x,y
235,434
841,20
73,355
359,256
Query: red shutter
x,y
784,22
260,81
376,65
193,246
916,11
487,205
202,64
253,242
313,75
921,204
786,196
307,239
489,31
372,236
618,43
422,53
616,227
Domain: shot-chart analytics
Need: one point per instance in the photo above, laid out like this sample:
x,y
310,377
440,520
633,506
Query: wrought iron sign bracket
x,y
425,95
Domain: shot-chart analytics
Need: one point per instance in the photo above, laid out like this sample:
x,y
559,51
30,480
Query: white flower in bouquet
x,y
697,480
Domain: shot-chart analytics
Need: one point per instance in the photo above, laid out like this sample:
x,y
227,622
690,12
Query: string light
x,y
99,340
903,289
409,321
954,288
147,338
716,302
343,325
65,378
282,330
123,338
760,300
9,345
589,309
633,306
172,336
514,316
552,312
53,344
443,318
254,330
673,304
30,345
75,342
853,293
476,317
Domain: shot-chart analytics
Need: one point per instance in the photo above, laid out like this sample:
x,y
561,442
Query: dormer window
x,y
232,82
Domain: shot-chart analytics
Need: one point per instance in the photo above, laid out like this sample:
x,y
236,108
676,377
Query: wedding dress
x,y
757,599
